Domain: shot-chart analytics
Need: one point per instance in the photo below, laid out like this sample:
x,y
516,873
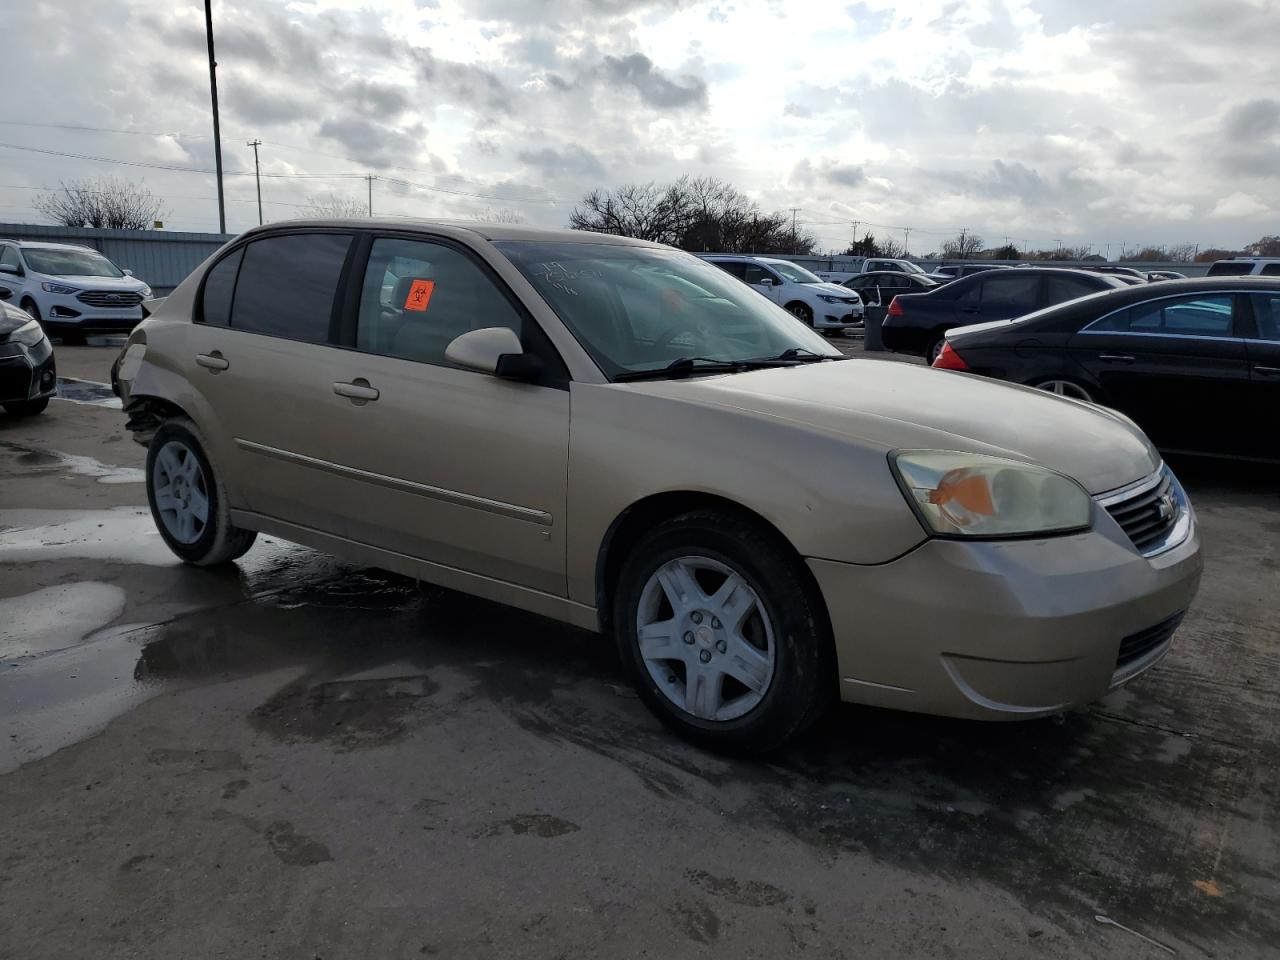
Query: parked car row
x,y
825,306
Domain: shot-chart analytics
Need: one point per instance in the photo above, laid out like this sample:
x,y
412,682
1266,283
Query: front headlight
x,y
146,293
825,298
61,288
973,495
29,333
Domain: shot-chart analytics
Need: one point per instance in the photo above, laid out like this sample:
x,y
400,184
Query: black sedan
x,y
878,288
915,323
27,375
1195,362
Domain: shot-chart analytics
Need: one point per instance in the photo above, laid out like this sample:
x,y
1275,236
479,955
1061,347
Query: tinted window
x,y
966,290
286,285
219,285
1225,268
736,267
860,283
1192,316
1020,290
1061,289
1271,270
1266,311
419,296
9,257
754,273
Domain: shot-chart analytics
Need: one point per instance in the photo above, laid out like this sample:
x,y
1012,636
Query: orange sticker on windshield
x,y
419,295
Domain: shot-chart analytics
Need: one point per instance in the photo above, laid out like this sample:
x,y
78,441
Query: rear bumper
x,y
1005,630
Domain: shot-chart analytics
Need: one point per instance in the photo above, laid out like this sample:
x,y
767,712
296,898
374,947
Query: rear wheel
x,y
725,639
26,408
188,501
801,311
1067,388
935,348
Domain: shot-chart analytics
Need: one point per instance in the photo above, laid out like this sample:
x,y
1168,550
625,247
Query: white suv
x,y
71,290
1246,267
820,304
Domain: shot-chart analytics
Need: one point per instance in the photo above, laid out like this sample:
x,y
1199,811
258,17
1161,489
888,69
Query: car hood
x,y
832,289
904,406
118,284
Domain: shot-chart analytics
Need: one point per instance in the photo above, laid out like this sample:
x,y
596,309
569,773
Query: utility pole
x,y
257,176
217,133
906,241
369,177
793,223
961,251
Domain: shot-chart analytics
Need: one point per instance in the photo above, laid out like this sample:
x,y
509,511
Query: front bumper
x,y
69,312
1004,630
27,373
836,316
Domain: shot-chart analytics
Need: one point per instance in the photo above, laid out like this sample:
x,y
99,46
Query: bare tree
x,y
1268,246
963,245
504,215
890,247
334,207
106,202
642,210
1182,252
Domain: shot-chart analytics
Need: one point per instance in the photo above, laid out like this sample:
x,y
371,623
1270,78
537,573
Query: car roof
x,y
484,231
47,245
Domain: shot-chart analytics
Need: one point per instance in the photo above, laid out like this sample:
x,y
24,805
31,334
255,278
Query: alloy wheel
x,y
706,638
181,492
1066,388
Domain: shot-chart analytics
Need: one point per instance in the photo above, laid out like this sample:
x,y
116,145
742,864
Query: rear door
x,y
1262,348
1176,365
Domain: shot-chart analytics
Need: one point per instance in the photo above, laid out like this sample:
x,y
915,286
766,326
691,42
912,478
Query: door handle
x,y
1116,357
357,391
1268,371
214,362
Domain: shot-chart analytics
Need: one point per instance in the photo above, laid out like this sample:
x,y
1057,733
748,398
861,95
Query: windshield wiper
x,y
685,366
804,355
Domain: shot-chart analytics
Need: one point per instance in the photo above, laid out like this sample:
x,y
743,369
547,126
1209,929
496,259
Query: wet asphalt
x,y
295,758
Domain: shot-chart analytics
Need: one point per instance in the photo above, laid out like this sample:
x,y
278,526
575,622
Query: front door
x,y
453,466
1175,365
764,280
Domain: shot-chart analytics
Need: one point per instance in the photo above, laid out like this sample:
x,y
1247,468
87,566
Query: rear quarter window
x,y
1224,268
286,285
219,287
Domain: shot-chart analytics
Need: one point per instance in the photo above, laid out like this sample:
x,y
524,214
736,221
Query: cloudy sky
x,y
1086,121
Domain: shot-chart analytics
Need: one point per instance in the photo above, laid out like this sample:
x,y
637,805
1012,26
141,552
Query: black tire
x,y
803,684
931,352
219,541
802,312
29,305
26,408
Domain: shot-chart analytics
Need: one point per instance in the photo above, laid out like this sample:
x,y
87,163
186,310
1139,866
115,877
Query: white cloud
x,y
1241,206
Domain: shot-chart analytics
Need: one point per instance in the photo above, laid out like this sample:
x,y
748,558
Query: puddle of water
x,y
56,617
87,391
124,534
50,460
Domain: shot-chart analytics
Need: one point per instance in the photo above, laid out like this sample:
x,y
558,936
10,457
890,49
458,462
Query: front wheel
x,y
802,312
934,350
188,501
26,408
725,638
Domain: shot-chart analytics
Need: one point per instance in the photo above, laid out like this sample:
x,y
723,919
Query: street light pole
x,y
217,133
257,176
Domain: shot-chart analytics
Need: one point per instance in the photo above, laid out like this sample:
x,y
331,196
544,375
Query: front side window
x,y
1200,316
756,274
641,308
287,284
9,257
70,263
419,296
1016,290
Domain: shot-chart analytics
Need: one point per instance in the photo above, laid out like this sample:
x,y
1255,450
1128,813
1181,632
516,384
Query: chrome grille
x,y
109,299
1149,513
1137,645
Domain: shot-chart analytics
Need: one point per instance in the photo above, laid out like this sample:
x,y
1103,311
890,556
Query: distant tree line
x,y
692,213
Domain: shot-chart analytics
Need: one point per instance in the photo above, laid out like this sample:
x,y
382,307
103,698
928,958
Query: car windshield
x,y
912,267
794,272
637,309
70,263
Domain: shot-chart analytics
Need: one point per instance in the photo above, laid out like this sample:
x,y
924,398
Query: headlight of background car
x,y
972,495
146,293
29,333
827,299
62,288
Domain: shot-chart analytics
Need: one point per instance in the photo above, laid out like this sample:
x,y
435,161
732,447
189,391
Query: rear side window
x,y
1266,312
1225,268
219,287
1062,289
736,267
1271,270
286,285
1198,316
1019,290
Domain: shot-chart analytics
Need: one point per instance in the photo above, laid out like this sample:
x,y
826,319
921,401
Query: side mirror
x,y
766,282
493,350
6,293
9,268
128,272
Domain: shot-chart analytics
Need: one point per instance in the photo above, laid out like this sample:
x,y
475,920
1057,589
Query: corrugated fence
x,y
162,258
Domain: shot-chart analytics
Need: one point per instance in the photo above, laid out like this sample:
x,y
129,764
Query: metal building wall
x,y
162,258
